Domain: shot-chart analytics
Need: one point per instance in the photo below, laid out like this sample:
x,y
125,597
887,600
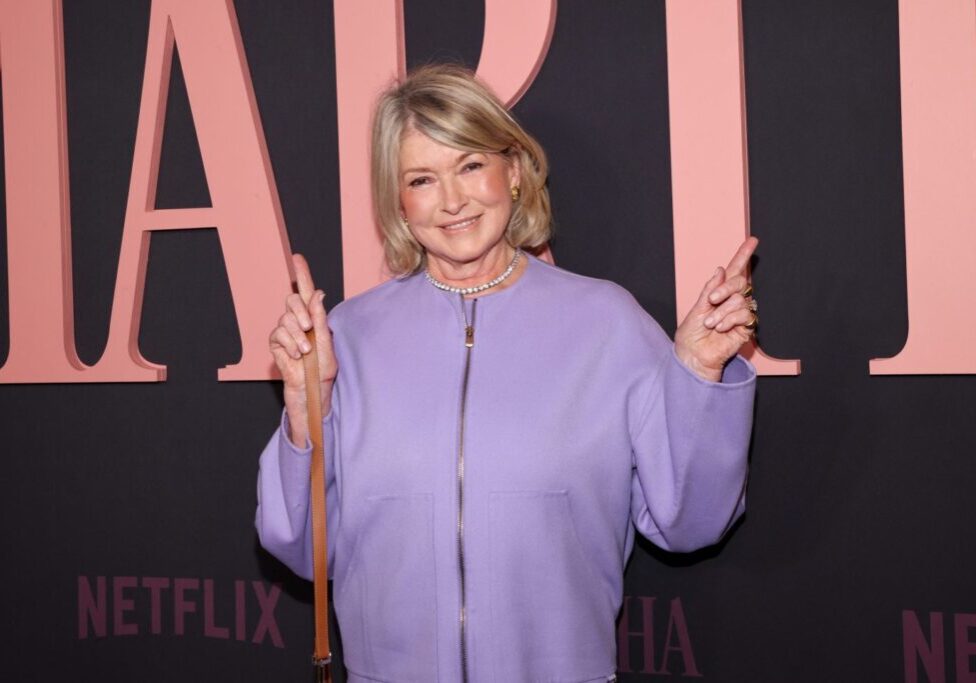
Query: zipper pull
x,y
469,336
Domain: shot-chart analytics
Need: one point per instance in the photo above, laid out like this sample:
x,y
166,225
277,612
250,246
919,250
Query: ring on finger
x,y
752,324
753,305
747,292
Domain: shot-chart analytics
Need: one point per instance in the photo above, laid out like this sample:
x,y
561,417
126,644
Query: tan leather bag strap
x,y
323,653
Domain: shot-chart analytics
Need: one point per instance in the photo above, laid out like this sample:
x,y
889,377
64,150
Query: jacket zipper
x,y
468,344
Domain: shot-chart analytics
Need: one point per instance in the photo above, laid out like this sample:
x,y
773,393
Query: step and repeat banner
x,y
163,157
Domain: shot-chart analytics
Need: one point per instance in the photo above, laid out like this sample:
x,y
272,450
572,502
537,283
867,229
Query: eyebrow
x,y
421,169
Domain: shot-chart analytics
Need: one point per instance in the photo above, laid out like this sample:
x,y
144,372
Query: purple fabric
x,y
580,425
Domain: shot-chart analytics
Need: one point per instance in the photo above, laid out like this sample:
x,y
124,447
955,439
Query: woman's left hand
x,y
722,320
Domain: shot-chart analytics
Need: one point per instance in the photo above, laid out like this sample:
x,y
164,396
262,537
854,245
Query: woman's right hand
x,y
303,311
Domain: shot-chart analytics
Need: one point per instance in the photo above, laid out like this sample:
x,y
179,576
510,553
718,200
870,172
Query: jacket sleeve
x,y
284,513
690,455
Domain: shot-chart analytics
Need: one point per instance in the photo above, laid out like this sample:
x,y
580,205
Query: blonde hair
x,y
449,105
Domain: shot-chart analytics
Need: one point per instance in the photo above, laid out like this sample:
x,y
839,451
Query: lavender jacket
x,y
483,500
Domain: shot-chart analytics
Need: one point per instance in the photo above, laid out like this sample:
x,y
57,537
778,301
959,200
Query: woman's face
x,y
457,204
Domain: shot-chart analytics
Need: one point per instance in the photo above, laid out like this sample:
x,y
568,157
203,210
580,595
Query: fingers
x,y
739,317
317,317
323,336
284,348
289,341
733,285
290,336
734,311
740,262
308,305
703,304
303,277
295,305
727,281
299,319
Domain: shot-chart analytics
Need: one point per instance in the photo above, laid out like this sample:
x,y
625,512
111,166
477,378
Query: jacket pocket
x,y
552,616
387,605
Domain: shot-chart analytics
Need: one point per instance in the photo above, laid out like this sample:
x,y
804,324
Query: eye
x,y
473,165
419,181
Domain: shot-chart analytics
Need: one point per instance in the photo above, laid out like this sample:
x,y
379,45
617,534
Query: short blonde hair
x,y
448,104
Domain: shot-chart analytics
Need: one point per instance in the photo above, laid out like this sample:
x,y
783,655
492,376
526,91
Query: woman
x,y
496,427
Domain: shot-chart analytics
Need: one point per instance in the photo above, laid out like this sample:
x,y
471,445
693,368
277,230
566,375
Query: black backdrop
x,y
861,492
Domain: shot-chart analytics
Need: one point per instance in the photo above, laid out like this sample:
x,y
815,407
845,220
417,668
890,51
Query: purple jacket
x,y
483,499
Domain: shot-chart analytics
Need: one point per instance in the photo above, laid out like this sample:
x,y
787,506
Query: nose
x,y
453,197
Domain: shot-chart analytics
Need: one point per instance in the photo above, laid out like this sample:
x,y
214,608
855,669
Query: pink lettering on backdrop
x,y
645,635
155,585
916,648
369,42
938,118
210,628
369,53
92,607
708,165
676,640
516,42
42,342
965,648
182,606
709,162
132,599
245,211
121,605
267,600
239,610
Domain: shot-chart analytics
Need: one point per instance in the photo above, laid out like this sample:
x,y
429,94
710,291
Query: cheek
x,y
494,189
412,206
417,212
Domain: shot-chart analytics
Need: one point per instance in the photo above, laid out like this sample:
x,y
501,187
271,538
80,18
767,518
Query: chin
x,y
463,251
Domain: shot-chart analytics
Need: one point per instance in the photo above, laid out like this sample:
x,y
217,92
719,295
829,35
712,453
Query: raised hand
x,y
722,320
303,311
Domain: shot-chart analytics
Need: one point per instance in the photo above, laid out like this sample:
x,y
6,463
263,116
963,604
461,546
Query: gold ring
x,y
753,324
747,292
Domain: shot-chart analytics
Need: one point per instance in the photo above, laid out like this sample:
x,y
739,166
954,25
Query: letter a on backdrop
x,y
246,211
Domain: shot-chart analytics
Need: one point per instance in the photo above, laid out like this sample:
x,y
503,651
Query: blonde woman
x,y
496,428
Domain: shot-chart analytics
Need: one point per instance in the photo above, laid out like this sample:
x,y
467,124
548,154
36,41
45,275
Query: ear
x,y
515,168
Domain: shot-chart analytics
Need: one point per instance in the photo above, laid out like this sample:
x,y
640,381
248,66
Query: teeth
x,y
462,224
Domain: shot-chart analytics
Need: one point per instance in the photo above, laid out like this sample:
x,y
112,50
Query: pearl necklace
x,y
464,291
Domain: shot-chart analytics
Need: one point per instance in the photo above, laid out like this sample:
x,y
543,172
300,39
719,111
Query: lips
x,y
461,224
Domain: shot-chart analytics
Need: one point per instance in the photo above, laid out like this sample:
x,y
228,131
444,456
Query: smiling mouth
x,y
461,225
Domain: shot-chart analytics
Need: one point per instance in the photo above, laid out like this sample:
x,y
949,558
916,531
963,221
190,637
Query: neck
x,y
471,287
473,273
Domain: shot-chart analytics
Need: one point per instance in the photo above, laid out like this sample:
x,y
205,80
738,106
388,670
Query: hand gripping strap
x,y
323,653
